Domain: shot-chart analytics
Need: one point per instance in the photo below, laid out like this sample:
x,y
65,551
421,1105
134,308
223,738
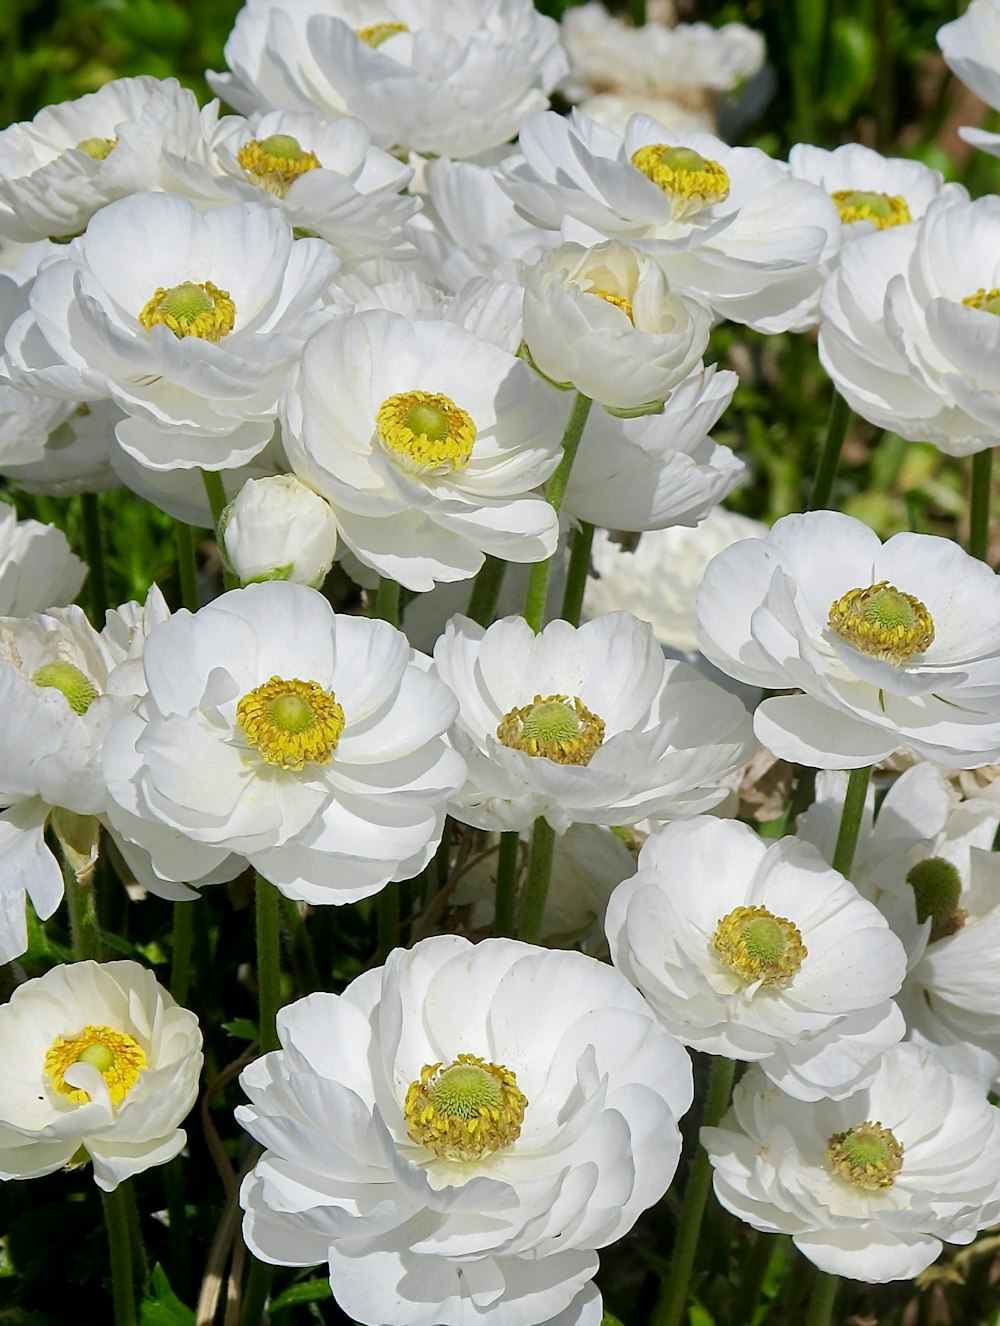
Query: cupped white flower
x,y
459,1131
871,1186
278,529
884,645
759,951
604,321
276,730
729,225
660,470
449,77
74,158
969,45
100,1064
191,335
429,450
587,724
909,329
37,568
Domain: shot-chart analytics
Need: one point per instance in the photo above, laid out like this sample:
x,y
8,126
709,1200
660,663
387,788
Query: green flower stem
x,y
268,962
486,590
536,890
387,601
81,904
507,862
538,580
120,1247
387,912
93,550
180,957
255,1295
216,495
637,10
187,566
177,1231
826,472
821,1300
979,506
576,576
753,1275
672,1303
850,820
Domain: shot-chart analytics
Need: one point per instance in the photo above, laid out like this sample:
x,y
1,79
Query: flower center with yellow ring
x,y
426,432
759,946
556,727
884,209
689,180
937,888
619,301
867,1156
466,1111
193,308
79,690
986,300
377,33
883,622
98,149
276,162
291,723
116,1056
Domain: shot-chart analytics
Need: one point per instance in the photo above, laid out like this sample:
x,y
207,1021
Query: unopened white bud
x,y
278,529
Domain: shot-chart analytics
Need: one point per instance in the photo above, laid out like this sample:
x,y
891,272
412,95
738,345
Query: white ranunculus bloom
x,y
448,77
659,470
910,329
37,568
658,580
429,450
191,336
460,1130
605,322
729,225
760,951
100,1064
74,158
587,724
871,1186
276,730
969,45
885,646
278,529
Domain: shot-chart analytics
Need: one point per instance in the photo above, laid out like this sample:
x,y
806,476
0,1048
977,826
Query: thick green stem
x,y
81,904
850,820
268,961
387,910
93,550
187,566
255,1295
387,601
826,472
216,495
821,1300
120,1247
180,957
173,1182
752,1276
979,506
507,863
674,1294
536,889
486,591
576,576
538,580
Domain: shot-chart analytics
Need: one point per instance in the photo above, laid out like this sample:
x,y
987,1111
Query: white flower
x,y
890,645
74,158
605,321
868,1187
909,329
658,470
373,1164
657,581
969,45
191,336
100,1063
428,450
759,951
278,529
728,225
449,77
276,730
587,724
37,568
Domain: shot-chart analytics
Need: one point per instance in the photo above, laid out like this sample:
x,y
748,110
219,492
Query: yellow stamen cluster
x,y
867,1156
76,686
276,162
193,308
759,946
291,722
426,432
884,209
689,180
377,33
883,622
116,1056
619,301
986,300
466,1111
555,727
98,149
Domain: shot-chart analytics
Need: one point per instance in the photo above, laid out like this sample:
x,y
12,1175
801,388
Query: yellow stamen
x,y
619,301
291,723
884,209
377,33
116,1056
193,308
689,180
554,727
986,300
466,1111
426,432
867,1156
883,622
275,163
759,946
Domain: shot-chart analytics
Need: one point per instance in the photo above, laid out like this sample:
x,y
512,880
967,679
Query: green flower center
x,y
937,887
193,308
759,946
689,180
867,1156
79,690
99,149
291,722
426,432
884,209
555,727
883,622
466,1111
276,162
116,1056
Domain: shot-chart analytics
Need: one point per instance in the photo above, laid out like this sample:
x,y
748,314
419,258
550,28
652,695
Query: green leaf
x,y
309,1291
163,1307
242,1028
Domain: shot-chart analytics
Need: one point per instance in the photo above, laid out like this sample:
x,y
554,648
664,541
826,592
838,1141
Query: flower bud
x,y
278,529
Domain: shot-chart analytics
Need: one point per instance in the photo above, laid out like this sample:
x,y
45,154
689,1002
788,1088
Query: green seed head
x,y
79,690
937,888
